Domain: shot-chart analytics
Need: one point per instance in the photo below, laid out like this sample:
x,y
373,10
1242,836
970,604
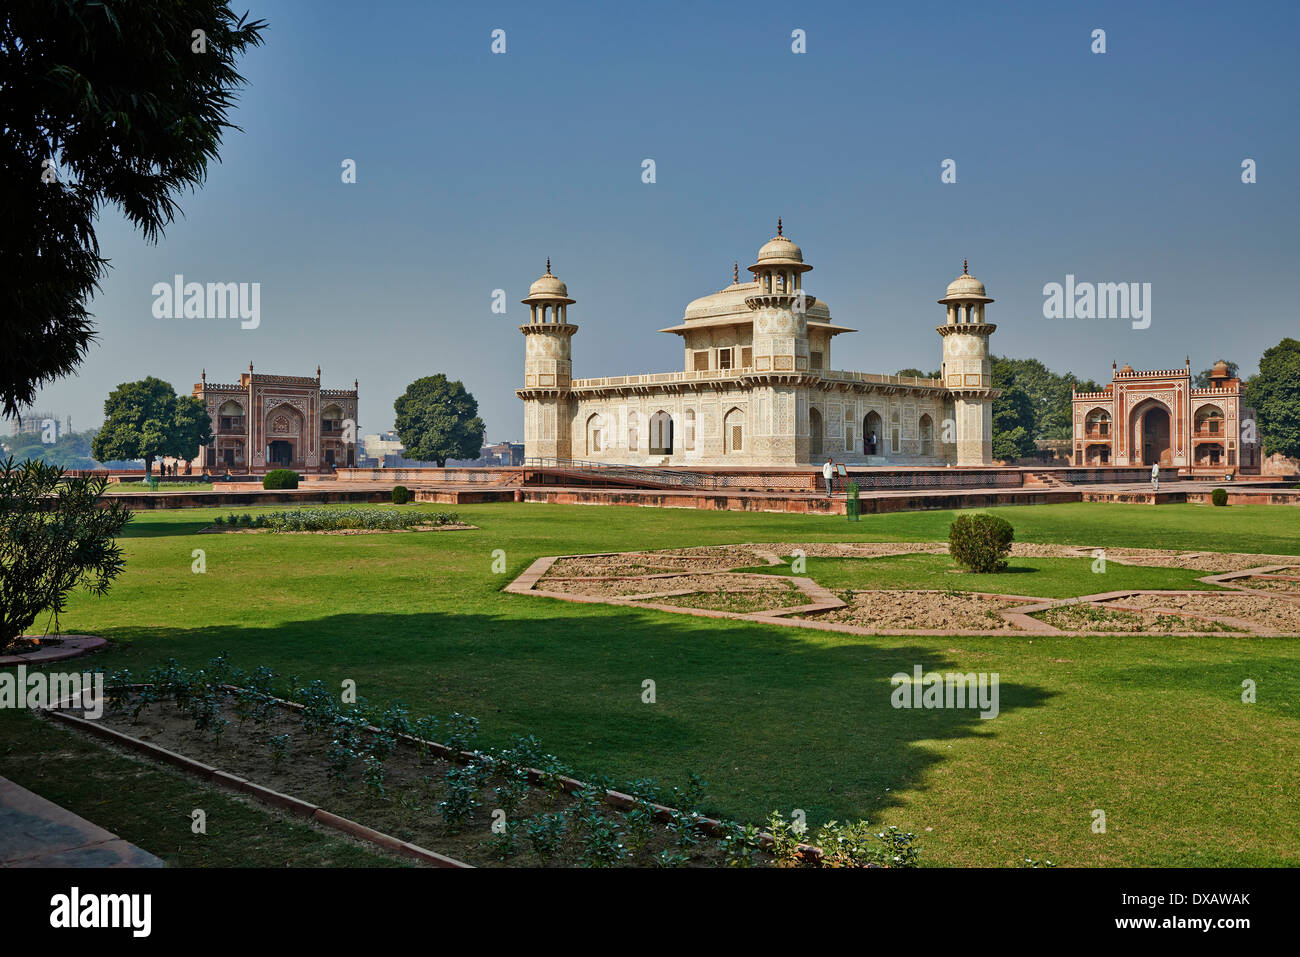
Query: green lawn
x,y
1150,730
1039,577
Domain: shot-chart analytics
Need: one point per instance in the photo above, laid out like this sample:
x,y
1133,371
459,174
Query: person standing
x,y
828,473
1155,476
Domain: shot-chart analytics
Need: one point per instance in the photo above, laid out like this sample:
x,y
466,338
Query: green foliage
x,y
111,93
462,799
330,519
54,536
1035,399
438,420
857,845
147,419
739,845
1219,496
980,542
71,450
1274,394
280,478
545,832
785,841
402,495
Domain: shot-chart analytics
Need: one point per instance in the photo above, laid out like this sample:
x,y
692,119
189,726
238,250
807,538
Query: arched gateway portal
x,y
1151,432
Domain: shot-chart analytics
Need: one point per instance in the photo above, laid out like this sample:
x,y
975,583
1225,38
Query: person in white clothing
x,y
828,473
1155,476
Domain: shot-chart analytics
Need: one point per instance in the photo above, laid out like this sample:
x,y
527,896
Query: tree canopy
x,y
147,419
438,420
1274,394
103,102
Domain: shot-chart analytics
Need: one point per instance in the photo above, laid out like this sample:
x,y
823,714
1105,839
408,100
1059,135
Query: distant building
x,y
30,422
382,450
493,456
1158,418
274,421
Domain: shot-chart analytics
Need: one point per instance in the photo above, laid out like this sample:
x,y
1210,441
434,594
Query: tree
x,y
438,420
147,419
1013,415
1274,394
55,534
1202,378
116,102
70,450
918,374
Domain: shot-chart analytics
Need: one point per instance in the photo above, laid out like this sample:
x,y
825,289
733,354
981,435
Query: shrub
x,y
980,543
1219,496
402,495
280,478
54,536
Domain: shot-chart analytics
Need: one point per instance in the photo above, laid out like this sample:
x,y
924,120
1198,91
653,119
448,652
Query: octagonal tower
x,y
968,369
548,369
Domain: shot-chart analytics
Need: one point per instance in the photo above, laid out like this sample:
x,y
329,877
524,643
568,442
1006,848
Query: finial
x,y
318,372
1113,365
778,226
355,386
965,269
548,265
735,273
250,366
204,375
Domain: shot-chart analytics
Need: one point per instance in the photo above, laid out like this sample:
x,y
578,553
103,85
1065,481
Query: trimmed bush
x,y
1219,496
401,495
980,543
280,478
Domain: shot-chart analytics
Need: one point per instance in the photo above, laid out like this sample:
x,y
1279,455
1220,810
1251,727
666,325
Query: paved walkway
x,y
37,833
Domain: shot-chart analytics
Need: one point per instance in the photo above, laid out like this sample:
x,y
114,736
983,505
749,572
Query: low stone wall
x,y
425,476
147,501
1239,496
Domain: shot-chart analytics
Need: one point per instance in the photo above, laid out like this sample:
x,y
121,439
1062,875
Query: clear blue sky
x,y
474,167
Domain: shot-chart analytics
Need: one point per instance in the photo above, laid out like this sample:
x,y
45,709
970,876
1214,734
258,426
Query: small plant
x,y
544,833
684,827
980,542
785,841
279,750
372,775
740,844
639,825
461,731
245,521
856,845
219,521
513,789
503,843
280,478
602,843
461,801
1219,496
691,797
670,858
402,495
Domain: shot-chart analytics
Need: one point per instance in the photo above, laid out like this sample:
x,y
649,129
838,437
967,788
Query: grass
x,y
1152,730
140,488
1039,577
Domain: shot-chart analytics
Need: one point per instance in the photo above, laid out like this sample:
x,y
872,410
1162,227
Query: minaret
x,y
548,369
968,370
780,334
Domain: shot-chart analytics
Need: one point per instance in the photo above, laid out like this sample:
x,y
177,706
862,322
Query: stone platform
x,y
35,832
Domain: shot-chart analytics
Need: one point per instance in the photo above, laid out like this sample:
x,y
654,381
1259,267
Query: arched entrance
x,y
926,428
279,453
816,433
661,433
871,434
595,428
1151,433
284,435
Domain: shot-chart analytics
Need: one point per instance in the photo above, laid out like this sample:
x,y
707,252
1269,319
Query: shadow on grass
x,y
771,717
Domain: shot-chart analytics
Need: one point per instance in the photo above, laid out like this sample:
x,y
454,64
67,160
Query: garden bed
x,y
889,610
355,521
1257,611
1087,617
390,783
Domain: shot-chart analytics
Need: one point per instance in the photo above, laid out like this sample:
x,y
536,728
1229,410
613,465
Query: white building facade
x,y
757,387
